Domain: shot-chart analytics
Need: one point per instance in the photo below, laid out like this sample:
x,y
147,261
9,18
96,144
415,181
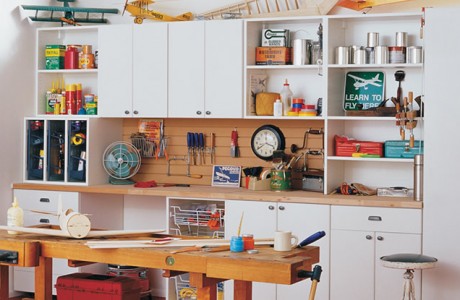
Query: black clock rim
x,y
279,135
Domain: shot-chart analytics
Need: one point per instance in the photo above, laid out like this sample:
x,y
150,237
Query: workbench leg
x,y
44,279
4,283
206,288
242,290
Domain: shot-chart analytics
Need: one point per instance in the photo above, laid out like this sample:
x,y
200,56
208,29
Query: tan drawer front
x,y
376,219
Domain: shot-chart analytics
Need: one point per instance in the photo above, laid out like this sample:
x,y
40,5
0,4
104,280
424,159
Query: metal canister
x,y
342,55
401,39
381,54
372,39
370,55
418,177
280,180
301,52
397,55
414,55
359,57
316,53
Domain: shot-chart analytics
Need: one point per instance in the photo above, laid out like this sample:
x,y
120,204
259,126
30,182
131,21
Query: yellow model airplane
x,y
140,11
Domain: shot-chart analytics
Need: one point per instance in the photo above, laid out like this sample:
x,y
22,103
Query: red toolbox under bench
x,y
345,146
85,286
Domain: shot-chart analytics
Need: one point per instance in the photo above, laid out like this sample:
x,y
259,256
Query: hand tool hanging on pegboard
x,y
234,150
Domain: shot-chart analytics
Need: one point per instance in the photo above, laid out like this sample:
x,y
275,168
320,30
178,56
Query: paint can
x,y
301,52
414,55
397,55
342,55
381,54
280,180
372,39
359,57
401,39
370,55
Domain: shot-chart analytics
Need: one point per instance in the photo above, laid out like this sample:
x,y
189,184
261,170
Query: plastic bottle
x,y
15,216
286,97
277,108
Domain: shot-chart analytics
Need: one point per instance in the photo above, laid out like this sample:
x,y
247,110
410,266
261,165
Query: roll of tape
x,y
78,139
265,174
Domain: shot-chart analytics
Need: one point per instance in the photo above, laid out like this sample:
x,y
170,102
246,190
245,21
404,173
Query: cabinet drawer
x,y
376,219
46,200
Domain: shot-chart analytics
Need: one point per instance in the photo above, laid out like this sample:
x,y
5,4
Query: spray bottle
x,y
15,216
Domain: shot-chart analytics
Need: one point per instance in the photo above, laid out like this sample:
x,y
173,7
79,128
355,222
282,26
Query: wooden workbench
x,y
206,269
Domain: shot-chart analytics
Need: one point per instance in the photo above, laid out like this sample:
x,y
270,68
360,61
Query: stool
x,y
409,262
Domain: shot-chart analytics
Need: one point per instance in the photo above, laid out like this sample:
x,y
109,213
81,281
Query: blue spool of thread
x,y
236,244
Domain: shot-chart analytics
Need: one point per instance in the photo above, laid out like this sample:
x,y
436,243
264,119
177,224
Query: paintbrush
x,y
241,223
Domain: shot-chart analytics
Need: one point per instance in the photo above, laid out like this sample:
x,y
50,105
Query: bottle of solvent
x,y
277,108
15,216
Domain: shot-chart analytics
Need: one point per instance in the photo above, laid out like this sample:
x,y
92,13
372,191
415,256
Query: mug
x,y
285,241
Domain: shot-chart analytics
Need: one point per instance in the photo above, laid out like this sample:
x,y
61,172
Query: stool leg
x,y
409,290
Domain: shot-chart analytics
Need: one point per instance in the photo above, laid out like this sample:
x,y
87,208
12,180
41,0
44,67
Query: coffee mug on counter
x,y
285,241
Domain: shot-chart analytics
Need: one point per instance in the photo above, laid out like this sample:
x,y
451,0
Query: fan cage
x,y
121,160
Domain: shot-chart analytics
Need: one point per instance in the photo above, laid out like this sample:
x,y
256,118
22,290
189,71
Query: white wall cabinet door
x,y
115,69
150,70
206,69
186,69
224,69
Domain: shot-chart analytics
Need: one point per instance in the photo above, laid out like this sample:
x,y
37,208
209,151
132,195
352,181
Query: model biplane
x,y
139,10
68,14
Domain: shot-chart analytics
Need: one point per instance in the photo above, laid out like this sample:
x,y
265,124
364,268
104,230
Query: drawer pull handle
x,y
44,221
45,200
374,218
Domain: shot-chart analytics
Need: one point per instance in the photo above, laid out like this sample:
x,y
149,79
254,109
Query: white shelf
x,y
363,159
68,71
373,66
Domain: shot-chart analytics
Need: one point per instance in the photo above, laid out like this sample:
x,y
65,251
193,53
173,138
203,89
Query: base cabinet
x,y
360,236
262,219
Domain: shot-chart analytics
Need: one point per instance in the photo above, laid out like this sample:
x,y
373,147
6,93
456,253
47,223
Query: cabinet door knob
x,y
368,237
208,112
281,208
135,112
198,112
126,112
271,207
380,238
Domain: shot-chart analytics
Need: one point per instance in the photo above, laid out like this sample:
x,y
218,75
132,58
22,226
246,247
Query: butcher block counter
x,y
225,193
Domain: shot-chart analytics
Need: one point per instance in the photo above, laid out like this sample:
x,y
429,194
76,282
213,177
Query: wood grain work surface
x,y
266,266
224,193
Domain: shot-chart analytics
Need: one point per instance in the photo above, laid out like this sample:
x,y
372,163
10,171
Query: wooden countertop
x,y
222,193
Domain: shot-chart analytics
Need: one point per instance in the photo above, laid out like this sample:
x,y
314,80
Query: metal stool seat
x,y
409,262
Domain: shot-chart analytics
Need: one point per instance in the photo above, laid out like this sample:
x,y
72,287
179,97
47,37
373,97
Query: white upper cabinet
x,y
133,70
205,69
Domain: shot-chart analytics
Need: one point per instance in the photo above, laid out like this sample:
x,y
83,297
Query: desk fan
x,y
121,161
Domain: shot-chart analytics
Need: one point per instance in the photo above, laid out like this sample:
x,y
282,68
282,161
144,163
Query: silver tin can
x,y
370,55
397,55
359,57
351,53
342,55
401,39
372,39
414,55
381,55
301,52
316,53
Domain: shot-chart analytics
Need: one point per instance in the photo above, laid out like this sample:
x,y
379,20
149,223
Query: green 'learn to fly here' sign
x,y
363,90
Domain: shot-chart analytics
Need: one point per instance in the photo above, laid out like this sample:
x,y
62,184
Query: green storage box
x,y
401,149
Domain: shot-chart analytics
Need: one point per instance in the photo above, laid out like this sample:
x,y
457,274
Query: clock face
x,y
266,140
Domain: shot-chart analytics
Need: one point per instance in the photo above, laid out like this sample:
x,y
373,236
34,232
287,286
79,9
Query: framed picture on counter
x,y
226,176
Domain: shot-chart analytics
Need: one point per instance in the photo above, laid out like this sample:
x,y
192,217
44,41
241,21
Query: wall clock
x,y
267,139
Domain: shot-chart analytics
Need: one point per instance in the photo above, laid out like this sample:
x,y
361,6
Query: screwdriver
x,y
311,239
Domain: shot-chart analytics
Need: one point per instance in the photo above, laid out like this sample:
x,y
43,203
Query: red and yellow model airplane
x,y
140,11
